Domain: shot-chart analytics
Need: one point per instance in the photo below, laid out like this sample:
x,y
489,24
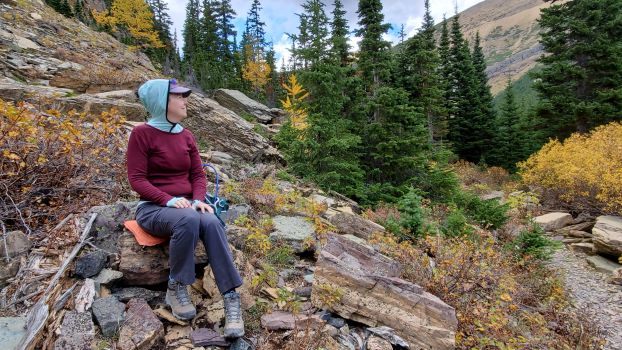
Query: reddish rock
x,y
142,328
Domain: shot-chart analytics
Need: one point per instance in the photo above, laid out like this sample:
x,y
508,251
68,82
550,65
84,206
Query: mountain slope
x,y
509,34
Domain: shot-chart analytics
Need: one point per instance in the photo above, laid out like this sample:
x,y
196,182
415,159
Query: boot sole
x,y
236,333
177,315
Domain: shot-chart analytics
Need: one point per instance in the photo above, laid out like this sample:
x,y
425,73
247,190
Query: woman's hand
x,y
204,207
182,203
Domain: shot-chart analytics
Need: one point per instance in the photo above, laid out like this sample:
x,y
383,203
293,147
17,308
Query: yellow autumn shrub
x,y
583,173
53,164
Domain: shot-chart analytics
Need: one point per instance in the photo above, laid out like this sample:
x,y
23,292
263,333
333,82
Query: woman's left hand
x,y
204,207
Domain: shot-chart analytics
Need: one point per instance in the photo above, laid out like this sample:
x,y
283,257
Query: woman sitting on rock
x,y
164,168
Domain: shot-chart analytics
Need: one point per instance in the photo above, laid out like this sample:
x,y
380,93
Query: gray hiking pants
x,y
185,227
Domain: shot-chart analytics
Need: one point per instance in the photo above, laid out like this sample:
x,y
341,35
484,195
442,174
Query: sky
x,y
280,18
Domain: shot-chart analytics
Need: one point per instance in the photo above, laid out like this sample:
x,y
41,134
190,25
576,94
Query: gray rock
x,y
240,344
8,271
389,334
76,332
553,221
587,248
207,337
318,198
91,264
303,291
106,276
309,278
608,235
492,195
283,320
235,211
17,243
602,264
108,225
242,104
125,294
108,312
12,330
336,322
355,225
294,230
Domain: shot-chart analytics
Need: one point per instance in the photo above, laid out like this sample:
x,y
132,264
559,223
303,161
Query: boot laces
x,y
232,307
181,293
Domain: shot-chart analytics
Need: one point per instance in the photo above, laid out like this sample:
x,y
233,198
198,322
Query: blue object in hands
x,y
220,205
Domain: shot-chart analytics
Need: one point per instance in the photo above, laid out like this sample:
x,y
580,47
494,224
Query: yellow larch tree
x,y
256,70
292,104
133,17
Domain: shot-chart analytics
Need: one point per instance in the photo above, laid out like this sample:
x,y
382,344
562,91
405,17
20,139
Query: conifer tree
x,y
79,11
393,153
580,85
316,44
226,34
162,24
506,149
420,71
65,9
483,124
192,30
339,34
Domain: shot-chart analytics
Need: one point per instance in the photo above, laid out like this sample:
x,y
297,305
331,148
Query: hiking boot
x,y
178,299
234,325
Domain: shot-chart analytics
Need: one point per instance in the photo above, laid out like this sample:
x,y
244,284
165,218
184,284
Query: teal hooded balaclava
x,y
154,96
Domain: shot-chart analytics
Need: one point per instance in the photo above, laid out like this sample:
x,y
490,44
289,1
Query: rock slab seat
x,y
608,235
553,221
355,225
373,294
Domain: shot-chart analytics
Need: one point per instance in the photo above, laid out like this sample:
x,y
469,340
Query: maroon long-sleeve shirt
x,y
162,165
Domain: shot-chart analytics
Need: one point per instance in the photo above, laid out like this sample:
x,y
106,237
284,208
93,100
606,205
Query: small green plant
x,y
248,117
268,275
327,294
456,224
252,317
288,301
281,255
488,213
412,214
531,244
285,176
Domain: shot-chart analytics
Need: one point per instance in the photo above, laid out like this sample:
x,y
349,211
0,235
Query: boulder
x,y
373,294
108,224
389,335
584,226
241,104
377,343
602,264
142,328
107,276
297,231
608,235
109,315
147,265
553,221
15,243
223,130
355,225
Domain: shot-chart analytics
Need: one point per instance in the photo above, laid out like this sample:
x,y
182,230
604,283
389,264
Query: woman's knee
x,y
209,220
188,221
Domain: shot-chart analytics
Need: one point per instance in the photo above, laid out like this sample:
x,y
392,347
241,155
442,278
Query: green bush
x,y
488,213
412,214
532,244
456,224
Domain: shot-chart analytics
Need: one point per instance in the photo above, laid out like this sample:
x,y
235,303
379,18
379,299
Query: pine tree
x,y
420,73
401,34
191,31
162,24
226,46
65,9
339,34
315,43
507,149
79,11
393,153
580,85
485,117
255,27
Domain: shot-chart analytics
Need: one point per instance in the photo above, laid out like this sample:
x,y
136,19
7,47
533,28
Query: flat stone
x,y
207,337
318,198
125,294
91,264
24,43
336,322
235,211
355,225
309,278
294,230
106,276
176,333
578,234
12,330
553,221
163,313
602,264
608,235
582,226
76,332
587,248
109,315
17,243
283,320
241,104
492,195
142,328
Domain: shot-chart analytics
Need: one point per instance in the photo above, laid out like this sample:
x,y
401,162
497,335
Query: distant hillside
x,y
509,32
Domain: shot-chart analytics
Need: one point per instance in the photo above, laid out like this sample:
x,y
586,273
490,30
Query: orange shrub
x,y
584,172
53,164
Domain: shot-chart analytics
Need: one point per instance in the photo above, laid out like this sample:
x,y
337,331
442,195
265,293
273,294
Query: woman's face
x,y
176,111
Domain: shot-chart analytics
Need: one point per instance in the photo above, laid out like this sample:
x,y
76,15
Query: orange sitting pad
x,y
143,237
